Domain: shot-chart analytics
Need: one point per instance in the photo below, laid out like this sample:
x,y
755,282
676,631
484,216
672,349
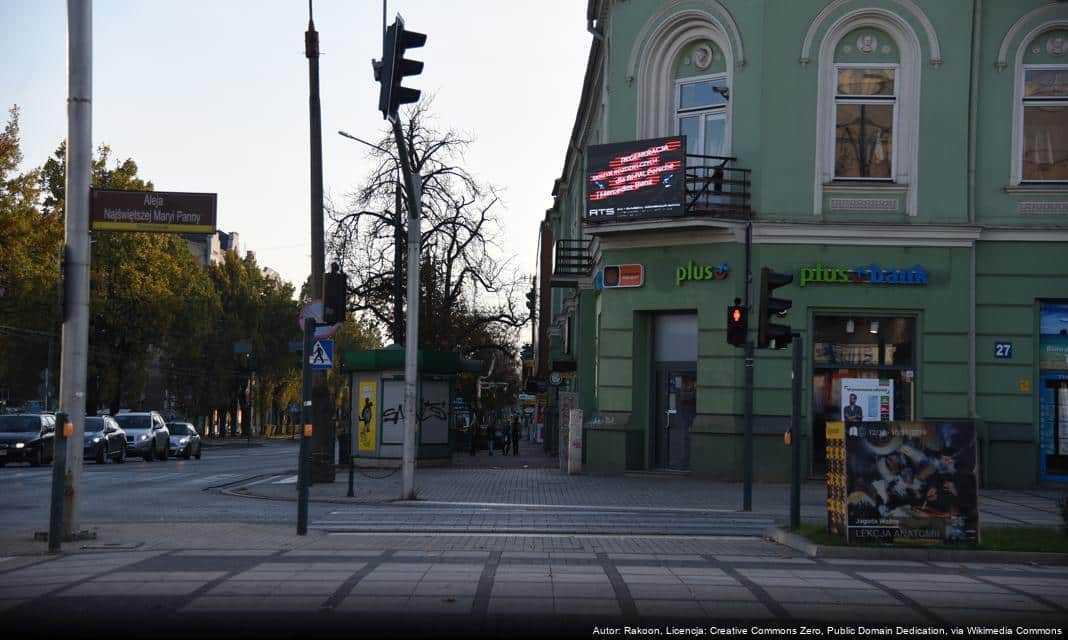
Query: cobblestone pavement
x,y
519,585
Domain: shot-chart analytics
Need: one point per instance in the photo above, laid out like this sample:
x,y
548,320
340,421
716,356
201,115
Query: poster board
x,y
836,478
867,400
911,482
366,415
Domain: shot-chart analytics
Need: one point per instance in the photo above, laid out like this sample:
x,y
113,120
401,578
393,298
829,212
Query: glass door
x,y
676,406
863,369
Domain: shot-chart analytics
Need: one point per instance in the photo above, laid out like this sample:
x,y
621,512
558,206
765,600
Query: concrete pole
x,y
411,333
75,342
322,441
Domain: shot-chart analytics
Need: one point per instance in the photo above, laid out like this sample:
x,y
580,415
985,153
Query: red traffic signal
x,y
737,323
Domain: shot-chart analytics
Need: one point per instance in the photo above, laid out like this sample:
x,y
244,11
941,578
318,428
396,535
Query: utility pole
x,y
747,438
322,438
75,342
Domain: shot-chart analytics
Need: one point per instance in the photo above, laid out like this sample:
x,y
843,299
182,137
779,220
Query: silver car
x,y
146,434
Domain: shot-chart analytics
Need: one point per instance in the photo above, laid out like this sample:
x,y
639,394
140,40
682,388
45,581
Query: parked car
x,y
104,439
185,441
146,434
27,437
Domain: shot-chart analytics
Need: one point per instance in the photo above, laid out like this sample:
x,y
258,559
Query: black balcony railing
x,y
715,187
573,260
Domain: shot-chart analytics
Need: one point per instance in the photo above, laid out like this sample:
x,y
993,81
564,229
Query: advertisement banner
x,y
639,179
365,415
911,481
867,400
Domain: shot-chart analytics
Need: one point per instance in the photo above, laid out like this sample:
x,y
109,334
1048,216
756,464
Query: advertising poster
x,y
639,179
365,415
867,400
1053,391
622,276
911,481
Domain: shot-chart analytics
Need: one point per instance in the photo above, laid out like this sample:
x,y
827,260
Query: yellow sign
x,y
1025,385
307,431
365,416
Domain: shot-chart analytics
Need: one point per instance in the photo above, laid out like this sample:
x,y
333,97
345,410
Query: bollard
x,y
63,430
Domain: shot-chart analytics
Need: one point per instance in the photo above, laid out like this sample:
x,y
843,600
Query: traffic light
x,y
737,323
532,300
335,295
390,71
776,335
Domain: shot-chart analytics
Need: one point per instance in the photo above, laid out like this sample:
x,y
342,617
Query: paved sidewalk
x,y
550,487
265,581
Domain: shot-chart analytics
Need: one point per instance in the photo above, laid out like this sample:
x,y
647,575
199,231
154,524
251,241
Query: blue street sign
x,y
322,354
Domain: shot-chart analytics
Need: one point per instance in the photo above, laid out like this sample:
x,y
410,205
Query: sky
x,y
212,96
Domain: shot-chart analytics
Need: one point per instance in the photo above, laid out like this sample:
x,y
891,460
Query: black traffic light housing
x,y
335,295
737,323
390,71
777,335
532,300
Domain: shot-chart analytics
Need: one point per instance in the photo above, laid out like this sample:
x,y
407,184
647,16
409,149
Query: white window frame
x,y
1023,101
703,111
893,100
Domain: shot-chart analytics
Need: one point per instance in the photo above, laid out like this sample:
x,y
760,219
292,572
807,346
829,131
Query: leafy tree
x,y
29,241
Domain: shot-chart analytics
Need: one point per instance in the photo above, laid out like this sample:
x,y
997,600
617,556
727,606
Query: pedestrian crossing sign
x,y
322,354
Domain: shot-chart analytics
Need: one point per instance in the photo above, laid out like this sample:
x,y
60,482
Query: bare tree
x,y
467,295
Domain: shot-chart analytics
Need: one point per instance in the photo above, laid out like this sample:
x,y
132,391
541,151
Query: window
x,y
865,110
1044,152
701,115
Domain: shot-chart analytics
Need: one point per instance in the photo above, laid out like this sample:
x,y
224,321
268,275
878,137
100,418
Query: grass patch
x,y
1046,539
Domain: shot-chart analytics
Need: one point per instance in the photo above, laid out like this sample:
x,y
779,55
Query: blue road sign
x,y
322,354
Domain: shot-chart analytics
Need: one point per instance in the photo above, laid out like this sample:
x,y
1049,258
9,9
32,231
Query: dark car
x,y
146,434
185,441
27,437
104,439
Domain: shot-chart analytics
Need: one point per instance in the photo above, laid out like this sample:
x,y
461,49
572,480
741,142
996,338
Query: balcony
x,y
573,261
714,187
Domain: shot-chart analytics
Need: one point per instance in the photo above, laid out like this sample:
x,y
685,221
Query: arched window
x,y
1041,109
701,93
868,108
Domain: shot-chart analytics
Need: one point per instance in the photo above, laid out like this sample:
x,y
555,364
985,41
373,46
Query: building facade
x,y
905,160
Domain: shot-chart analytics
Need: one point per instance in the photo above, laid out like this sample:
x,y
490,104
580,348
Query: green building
x,y
905,160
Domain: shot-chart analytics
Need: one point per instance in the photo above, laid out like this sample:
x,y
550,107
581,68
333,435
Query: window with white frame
x,y
865,114
701,115
1044,152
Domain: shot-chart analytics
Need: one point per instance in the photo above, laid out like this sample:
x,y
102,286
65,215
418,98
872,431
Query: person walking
x,y
515,435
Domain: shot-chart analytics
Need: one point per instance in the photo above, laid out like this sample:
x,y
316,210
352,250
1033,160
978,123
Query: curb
x,y
813,550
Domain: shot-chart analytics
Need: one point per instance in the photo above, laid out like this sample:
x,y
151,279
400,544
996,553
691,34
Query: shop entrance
x,y
674,397
863,369
676,406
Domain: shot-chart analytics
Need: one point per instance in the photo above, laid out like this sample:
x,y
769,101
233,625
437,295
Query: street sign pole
x,y
305,428
795,436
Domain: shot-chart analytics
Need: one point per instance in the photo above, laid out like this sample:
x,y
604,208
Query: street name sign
x,y
153,211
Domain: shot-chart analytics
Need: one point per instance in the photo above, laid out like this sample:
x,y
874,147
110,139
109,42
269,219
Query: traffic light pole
x,y
306,431
747,439
411,333
795,436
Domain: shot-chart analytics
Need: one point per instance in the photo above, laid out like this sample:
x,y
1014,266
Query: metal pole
x,y
59,469
323,439
306,429
747,442
411,334
795,436
75,342
398,256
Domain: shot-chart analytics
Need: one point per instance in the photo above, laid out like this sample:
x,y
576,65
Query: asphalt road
x,y
158,491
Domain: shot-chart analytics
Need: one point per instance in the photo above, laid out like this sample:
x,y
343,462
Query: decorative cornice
x,y
908,5
1021,23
